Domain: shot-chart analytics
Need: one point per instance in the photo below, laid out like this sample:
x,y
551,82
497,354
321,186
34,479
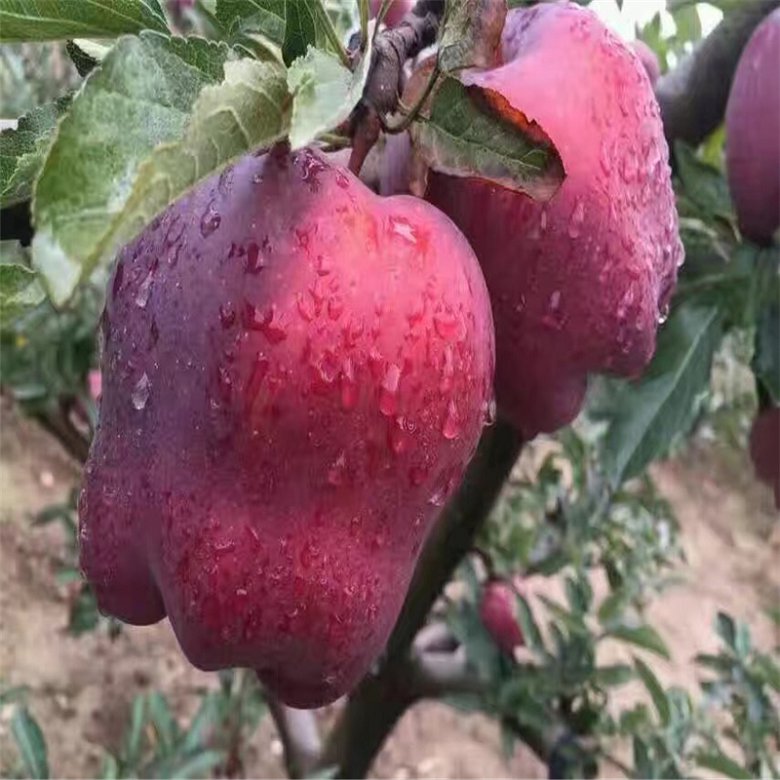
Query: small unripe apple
x,y
753,133
296,372
580,283
497,612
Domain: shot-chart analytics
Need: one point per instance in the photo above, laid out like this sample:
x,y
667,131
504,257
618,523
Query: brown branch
x,y
300,737
57,422
693,96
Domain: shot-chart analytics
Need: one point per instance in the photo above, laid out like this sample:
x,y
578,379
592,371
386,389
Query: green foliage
x,y
460,137
41,20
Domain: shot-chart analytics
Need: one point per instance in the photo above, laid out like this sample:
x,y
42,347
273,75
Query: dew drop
x,y
144,290
388,392
255,261
337,471
349,388
140,394
663,314
577,218
451,427
227,315
210,221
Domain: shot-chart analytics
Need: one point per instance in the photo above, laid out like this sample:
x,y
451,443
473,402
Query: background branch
x,y
693,96
300,737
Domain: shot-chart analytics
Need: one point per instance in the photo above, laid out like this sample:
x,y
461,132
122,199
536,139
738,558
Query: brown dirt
x,y
81,689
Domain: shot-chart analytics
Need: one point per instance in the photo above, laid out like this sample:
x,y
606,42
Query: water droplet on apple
x,y
144,290
452,426
210,221
388,392
140,394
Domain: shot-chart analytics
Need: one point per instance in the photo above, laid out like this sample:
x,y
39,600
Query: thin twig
x,y
300,737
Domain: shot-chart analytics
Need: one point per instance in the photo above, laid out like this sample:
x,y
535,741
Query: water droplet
x,y
663,313
141,392
210,221
349,388
305,307
398,438
266,321
337,471
144,290
255,261
448,370
577,218
324,265
388,392
490,412
225,381
342,180
227,315
403,228
451,427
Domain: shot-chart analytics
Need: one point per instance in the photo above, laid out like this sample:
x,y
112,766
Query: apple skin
x,y
765,449
648,59
395,13
295,375
753,133
578,284
497,613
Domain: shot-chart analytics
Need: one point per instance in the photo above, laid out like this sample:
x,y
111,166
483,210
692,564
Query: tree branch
x,y
693,96
381,699
300,737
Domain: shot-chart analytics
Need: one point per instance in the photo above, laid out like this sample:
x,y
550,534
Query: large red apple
x,y
578,284
295,374
753,133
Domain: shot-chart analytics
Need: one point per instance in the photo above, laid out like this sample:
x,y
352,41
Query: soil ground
x,y
81,689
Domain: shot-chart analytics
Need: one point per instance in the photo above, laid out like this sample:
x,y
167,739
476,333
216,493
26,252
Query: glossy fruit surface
x,y
753,133
295,374
578,284
497,612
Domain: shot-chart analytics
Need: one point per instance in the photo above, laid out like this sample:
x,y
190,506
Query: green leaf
x,y
23,150
642,636
529,627
718,762
84,615
646,417
324,93
472,33
306,24
14,694
206,720
132,747
266,17
199,763
766,357
655,689
42,20
613,675
704,185
29,740
157,117
161,718
19,286
470,131
726,629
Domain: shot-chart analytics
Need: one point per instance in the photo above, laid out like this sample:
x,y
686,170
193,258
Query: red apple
x,y
295,374
497,612
753,133
578,284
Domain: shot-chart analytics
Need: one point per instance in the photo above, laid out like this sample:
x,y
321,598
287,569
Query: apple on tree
x,y
579,284
295,374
